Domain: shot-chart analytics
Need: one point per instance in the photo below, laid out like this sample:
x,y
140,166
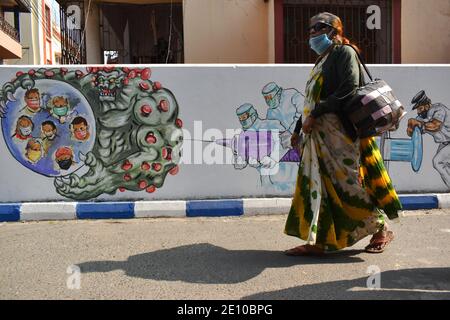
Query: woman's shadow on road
x,y
207,263
404,284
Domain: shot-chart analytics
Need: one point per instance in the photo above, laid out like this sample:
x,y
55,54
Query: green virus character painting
x,y
96,131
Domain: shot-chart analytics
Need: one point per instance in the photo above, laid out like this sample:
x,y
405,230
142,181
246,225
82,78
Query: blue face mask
x,y
320,43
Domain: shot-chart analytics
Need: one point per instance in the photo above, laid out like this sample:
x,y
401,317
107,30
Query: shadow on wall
x,y
408,284
206,263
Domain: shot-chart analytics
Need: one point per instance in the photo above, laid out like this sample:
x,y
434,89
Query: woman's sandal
x,y
304,250
379,245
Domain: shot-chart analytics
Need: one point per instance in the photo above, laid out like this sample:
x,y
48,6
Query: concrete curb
x,y
34,211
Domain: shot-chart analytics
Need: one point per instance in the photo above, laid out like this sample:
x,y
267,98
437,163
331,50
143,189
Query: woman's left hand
x,y
308,124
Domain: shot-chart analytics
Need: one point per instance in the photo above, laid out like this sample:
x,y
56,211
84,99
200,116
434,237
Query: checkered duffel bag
x,y
374,108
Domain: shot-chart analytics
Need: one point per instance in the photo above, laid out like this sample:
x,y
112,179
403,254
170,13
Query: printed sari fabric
x,y
342,185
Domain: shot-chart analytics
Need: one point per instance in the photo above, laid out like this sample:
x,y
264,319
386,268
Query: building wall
x,y
228,31
93,45
136,153
10,47
25,38
425,31
32,35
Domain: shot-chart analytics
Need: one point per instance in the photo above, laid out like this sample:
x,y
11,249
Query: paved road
x,y
215,258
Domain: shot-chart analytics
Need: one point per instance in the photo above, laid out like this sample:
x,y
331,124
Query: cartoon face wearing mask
x,y
64,157
48,129
272,95
33,101
247,115
33,150
422,104
24,128
422,111
80,129
59,108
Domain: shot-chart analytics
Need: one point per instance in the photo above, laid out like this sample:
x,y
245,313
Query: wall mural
x,y
255,146
94,132
433,119
259,147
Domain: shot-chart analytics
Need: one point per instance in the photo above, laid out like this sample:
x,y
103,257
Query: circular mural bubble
x,y
48,126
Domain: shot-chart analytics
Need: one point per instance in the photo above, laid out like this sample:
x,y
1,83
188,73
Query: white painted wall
x,y
211,94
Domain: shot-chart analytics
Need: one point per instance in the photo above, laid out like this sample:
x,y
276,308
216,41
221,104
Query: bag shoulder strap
x,y
362,61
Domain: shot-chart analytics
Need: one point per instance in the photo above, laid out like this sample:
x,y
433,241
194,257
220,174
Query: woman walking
x,y
342,183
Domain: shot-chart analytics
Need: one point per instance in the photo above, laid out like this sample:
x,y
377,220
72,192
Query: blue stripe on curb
x,y
105,210
9,212
214,208
419,202
194,208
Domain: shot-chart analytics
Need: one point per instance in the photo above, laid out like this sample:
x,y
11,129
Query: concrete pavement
x,y
215,258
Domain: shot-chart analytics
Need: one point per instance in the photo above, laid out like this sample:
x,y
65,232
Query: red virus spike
x,y
179,123
126,70
127,165
142,184
144,86
132,74
63,71
49,73
151,189
167,153
31,72
126,81
127,177
19,73
164,152
146,110
163,105
145,166
174,170
150,138
157,86
157,166
122,189
145,74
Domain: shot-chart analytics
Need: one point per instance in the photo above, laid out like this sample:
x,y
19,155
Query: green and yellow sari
x,y
342,187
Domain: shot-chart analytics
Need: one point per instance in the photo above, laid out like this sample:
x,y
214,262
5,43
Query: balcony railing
x,y
9,29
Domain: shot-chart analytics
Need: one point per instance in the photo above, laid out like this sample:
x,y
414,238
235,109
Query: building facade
x,y
248,31
40,34
10,31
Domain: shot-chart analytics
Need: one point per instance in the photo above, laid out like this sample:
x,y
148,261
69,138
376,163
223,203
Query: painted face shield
x,y
247,115
245,120
271,101
272,95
